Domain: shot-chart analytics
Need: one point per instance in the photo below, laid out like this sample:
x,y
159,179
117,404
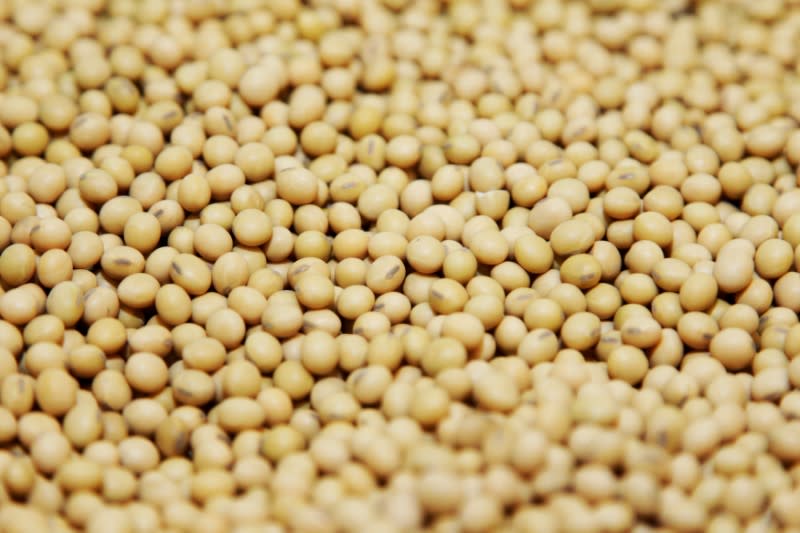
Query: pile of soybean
x,y
399,266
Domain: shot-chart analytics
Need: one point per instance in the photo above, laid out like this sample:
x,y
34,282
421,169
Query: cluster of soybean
x,y
399,266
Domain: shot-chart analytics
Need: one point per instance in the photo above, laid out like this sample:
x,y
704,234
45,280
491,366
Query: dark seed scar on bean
x,y
392,271
299,270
